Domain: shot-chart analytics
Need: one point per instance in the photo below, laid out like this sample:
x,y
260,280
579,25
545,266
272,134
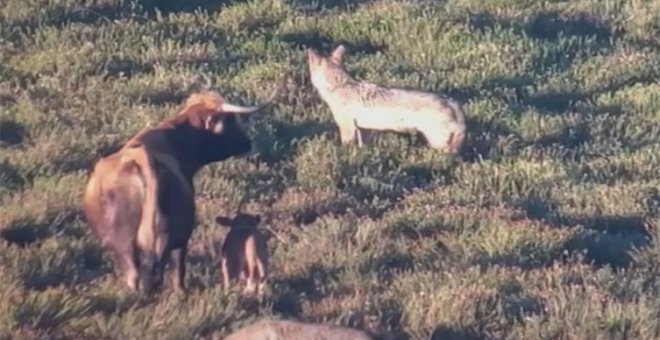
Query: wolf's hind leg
x,y
437,138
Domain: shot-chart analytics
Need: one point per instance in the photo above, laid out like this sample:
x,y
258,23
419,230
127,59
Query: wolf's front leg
x,y
358,134
347,134
347,128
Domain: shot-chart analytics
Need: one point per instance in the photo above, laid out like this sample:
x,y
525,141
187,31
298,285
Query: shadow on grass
x,y
83,268
61,15
186,6
560,102
387,265
484,140
416,228
124,67
309,283
11,133
526,259
311,6
482,21
607,240
381,187
448,333
277,140
609,224
324,43
604,249
553,25
569,137
549,25
287,304
10,178
309,215
25,231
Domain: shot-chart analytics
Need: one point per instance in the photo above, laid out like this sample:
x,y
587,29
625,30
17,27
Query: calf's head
x,y
241,220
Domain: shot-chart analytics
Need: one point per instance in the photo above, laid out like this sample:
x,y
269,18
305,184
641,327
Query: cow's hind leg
x,y
178,269
125,261
146,271
152,266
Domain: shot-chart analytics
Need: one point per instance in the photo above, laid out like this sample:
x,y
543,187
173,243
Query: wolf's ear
x,y
223,221
312,56
338,54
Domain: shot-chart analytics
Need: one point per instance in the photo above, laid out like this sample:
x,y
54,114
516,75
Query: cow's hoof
x,y
180,294
133,282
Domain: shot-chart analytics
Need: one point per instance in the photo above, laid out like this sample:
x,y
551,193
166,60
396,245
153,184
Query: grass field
x,y
546,227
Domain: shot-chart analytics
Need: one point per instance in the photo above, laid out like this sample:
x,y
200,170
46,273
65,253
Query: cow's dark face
x,y
224,137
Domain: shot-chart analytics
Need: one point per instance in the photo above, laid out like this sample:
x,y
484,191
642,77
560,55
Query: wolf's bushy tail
x,y
456,141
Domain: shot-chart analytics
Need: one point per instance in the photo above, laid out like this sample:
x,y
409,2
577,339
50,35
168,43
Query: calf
x,y
140,200
243,252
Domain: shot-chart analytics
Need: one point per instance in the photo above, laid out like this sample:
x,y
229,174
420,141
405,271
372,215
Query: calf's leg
x,y
252,274
261,274
178,269
225,272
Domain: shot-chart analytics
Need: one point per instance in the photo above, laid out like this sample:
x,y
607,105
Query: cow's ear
x,y
223,221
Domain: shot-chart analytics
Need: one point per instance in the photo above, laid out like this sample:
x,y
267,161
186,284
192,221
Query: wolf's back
x,y
293,330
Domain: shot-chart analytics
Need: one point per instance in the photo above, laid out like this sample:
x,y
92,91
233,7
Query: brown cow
x,y
244,254
140,200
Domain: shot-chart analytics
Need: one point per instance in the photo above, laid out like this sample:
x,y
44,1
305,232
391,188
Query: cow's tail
x,y
146,240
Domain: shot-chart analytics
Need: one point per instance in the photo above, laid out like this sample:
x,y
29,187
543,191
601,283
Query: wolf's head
x,y
326,72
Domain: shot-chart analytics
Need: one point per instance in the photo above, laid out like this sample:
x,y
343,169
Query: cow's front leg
x,y
178,269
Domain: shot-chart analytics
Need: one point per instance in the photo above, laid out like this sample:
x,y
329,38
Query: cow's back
x,y
113,200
